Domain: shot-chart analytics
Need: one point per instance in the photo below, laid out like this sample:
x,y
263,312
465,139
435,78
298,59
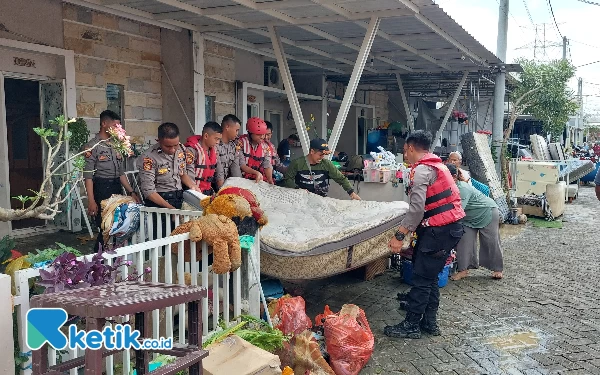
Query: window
x,y
209,107
114,98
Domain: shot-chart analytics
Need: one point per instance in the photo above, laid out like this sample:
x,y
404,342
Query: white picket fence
x,y
240,289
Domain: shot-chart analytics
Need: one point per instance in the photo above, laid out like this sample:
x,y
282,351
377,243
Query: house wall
x,y
219,79
249,67
177,57
109,49
32,21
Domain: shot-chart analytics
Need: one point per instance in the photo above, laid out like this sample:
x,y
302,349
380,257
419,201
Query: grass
x,y
541,223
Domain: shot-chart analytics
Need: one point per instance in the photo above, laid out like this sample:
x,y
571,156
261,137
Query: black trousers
x,y
175,199
104,188
433,248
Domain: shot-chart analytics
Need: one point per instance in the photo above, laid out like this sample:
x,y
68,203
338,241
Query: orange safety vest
x,y
273,152
442,203
253,158
205,165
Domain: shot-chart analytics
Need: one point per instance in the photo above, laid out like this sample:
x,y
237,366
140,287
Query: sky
x,y
578,21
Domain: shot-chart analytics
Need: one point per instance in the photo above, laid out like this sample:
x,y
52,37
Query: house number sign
x,y
28,63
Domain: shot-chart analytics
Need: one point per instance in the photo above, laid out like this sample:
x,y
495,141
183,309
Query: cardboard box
x,y
234,355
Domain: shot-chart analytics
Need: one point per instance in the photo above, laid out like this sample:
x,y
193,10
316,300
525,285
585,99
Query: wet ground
x,y
542,318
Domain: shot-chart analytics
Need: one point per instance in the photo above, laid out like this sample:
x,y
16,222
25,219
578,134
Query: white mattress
x,y
301,223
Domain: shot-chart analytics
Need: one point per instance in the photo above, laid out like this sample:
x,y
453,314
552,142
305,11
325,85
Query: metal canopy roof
x,y
325,36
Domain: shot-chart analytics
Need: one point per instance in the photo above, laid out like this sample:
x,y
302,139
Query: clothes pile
x,y
120,219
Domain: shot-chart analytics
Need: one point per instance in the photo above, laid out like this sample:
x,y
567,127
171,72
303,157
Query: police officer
x,y
164,170
435,213
201,149
227,151
104,173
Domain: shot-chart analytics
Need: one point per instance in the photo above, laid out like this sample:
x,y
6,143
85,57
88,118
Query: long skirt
x,y
490,251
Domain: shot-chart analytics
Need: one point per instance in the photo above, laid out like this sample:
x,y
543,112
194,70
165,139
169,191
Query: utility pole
x,y
500,86
580,115
565,42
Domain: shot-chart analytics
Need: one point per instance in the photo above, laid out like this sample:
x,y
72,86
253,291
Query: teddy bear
x,y
221,233
209,205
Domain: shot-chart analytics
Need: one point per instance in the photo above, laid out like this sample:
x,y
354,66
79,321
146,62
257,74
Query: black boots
x,y
409,328
429,325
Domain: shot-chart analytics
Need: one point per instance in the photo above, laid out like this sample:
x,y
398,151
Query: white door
x,y
5,226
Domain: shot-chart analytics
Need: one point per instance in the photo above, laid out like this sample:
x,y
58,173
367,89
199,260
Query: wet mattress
x,y
310,237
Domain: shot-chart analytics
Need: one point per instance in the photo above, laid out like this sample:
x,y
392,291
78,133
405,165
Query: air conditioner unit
x,y
274,78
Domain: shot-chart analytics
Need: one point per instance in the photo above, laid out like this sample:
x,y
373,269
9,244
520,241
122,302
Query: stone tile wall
x,y
219,77
110,49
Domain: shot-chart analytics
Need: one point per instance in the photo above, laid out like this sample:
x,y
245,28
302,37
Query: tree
x,y
543,92
45,202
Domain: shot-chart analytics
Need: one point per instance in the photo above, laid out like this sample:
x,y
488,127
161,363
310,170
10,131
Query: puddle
x,y
515,341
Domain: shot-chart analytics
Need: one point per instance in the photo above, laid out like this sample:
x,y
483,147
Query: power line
x,y
589,2
585,44
594,62
554,18
528,12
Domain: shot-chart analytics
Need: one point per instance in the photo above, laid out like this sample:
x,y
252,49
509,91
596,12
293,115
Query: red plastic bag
x,y
290,315
319,320
349,340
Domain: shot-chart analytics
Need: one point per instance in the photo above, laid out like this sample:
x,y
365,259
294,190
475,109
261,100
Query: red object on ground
x,y
349,340
290,315
15,254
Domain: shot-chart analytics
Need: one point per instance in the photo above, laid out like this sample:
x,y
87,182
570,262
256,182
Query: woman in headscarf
x,y
483,219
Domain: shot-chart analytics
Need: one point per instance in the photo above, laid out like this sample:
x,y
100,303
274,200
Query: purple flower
x,y
129,263
69,281
148,269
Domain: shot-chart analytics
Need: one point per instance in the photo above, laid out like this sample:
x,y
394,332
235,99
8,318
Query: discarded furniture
x,y
97,304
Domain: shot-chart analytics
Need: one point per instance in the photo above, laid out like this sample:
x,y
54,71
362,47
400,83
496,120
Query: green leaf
x,y
554,102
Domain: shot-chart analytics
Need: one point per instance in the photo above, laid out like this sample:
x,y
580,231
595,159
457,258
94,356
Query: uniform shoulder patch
x,y
189,157
148,164
182,167
180,155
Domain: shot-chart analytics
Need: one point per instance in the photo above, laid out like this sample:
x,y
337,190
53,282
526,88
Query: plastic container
x,y
407,274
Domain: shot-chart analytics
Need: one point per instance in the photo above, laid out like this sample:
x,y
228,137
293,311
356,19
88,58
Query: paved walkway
x,y
543,318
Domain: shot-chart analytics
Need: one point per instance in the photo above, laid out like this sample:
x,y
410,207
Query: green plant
x,y
51,253
78,134
6,245
47,200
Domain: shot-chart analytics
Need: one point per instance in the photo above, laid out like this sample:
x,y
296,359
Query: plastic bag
x,y
320,319
349,340
290,315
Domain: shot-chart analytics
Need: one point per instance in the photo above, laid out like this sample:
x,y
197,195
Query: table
x,y
98,303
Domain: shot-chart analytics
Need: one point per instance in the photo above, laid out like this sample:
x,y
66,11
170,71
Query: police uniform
x,y
435,216
226,167
161,173
104,166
